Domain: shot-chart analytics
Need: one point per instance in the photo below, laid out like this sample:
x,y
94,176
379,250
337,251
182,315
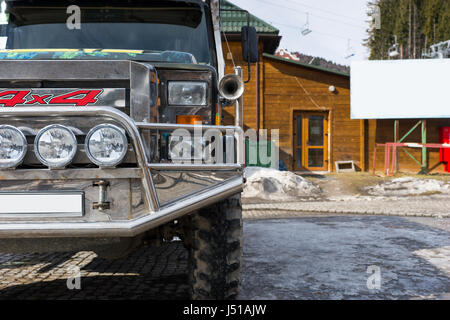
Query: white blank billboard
x,y
400,89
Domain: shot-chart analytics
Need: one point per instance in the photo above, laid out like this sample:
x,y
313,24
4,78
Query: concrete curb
x,y
298,209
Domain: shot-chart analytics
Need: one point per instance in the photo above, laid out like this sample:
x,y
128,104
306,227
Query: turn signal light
x,y
188,119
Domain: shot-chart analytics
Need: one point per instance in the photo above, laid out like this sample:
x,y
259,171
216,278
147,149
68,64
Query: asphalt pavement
x,y
340,257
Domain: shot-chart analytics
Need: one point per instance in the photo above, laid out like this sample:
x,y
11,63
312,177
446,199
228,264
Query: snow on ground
x,y
271,184
408,186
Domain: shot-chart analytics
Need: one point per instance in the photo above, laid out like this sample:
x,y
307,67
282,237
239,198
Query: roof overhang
x,y
305,65
270,41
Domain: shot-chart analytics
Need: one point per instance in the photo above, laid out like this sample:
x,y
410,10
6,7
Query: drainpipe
x,y
239,105
257,99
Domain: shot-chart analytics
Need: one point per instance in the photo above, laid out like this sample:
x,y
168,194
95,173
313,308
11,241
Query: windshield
x,y
165,26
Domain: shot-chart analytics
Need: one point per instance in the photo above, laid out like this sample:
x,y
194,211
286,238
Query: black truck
x,y
110,133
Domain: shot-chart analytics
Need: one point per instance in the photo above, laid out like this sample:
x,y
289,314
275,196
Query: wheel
x,y
215,253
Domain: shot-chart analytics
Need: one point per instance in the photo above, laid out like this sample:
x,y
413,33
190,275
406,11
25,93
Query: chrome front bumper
x,y
129,228
155,214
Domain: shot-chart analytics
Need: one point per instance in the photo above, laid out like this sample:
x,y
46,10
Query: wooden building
x,y
313,122
409,159
310,106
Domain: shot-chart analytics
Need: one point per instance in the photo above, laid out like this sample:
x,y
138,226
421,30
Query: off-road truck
x,y
110,134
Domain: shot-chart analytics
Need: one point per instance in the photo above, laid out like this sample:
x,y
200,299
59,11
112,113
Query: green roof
x,y
233,21
271,56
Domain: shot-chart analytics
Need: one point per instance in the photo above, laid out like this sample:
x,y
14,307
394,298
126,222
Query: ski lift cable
x,y
315,15
350,50
325,11
315,31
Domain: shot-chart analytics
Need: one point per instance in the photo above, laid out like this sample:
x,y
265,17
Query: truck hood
x,y
98,54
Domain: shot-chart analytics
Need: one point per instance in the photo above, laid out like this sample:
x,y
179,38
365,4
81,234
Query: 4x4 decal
x,y
79,98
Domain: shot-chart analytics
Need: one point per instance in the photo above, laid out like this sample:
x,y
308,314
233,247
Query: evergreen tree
x,y
416,23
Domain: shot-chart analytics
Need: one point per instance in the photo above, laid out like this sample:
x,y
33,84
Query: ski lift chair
x,y
393,51
305,29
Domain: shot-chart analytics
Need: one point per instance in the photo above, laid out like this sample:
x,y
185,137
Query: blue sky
x,y
333,23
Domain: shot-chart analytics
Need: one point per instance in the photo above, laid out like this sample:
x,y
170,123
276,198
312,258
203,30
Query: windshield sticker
x,y
80,54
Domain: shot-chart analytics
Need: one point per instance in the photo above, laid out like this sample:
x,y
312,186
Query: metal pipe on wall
x,y
258,110
239,122
239,109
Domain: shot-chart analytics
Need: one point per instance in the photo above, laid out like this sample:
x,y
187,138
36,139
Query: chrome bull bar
x,y
237,131
157,215
120,117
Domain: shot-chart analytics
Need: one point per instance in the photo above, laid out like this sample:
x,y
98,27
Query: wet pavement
x,y
316,257
340,258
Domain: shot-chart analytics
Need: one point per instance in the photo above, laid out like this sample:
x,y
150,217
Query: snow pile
x,y
408,186
271,184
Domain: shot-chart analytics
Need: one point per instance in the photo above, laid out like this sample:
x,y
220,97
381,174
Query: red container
x,y
444,153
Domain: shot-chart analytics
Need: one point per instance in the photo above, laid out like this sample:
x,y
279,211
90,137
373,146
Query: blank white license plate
x,y
42,204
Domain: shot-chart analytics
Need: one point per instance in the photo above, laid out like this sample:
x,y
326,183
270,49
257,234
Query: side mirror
x,y
249,44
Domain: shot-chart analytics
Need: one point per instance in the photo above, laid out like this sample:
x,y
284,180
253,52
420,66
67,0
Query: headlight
x,y
55,146
183,93
106,145
13,147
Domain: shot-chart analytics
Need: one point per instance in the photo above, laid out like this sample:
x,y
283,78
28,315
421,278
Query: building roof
x,y
271,56
233,21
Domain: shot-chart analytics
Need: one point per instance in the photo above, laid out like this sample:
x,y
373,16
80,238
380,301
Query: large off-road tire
x,y
215,254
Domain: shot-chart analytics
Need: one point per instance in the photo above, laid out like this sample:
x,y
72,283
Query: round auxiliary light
x,y
55,146
106,145
13,147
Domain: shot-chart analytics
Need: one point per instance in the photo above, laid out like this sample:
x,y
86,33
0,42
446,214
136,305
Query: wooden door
x,y
310,141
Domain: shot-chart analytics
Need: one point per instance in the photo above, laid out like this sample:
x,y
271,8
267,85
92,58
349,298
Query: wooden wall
x,y
381,131
289,88
281,89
